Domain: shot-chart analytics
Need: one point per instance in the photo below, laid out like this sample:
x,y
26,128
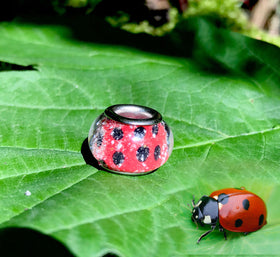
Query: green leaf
x,y
219,92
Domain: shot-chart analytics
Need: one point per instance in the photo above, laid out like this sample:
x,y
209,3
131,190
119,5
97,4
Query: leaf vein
x,y
225,138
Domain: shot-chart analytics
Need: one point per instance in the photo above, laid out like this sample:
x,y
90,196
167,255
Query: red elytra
x,y
130,148
240,210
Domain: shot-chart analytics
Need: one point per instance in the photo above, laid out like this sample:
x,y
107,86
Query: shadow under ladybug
x,y
232,209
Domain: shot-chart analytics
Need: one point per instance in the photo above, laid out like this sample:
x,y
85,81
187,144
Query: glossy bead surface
x,y
130,139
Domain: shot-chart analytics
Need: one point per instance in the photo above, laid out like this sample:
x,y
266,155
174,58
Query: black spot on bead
x,y
155,130
157,152
167,129
142,153
261,218
118,158
99,140
117,133
238,223
223,198
139,132
246,204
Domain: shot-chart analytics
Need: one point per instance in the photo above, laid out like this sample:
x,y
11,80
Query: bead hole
x,y
133,113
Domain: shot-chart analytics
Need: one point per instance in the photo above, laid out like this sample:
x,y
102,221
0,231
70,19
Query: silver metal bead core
x,y
133,114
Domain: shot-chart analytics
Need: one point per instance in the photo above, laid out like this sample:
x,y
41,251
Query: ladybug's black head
x,y
205,211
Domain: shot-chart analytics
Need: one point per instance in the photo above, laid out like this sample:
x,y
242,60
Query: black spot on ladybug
x,y
246,204
238,223
117,133
142,153
99,140
118,158
139,132
261,218
223,198
155,130
157,152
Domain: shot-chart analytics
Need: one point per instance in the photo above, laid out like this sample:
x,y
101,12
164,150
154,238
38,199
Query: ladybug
x,y
233,209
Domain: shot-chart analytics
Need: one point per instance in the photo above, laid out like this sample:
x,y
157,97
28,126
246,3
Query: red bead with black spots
x,y
130,148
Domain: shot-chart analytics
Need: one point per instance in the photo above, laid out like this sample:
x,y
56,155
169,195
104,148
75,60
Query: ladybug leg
x,y
246,233
206,233
221,229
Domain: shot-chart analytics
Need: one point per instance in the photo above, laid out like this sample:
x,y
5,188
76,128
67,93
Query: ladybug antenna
x,y
193,202
189,207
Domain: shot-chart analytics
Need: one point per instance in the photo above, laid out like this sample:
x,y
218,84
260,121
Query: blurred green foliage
x,y
135,17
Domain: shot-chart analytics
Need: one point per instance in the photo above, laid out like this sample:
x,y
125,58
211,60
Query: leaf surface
x,y
219,92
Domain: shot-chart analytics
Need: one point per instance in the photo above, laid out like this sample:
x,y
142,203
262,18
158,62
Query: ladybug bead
x,y
233,209
130,139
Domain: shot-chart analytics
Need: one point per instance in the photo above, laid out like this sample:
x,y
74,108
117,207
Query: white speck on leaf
x,y
27,193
